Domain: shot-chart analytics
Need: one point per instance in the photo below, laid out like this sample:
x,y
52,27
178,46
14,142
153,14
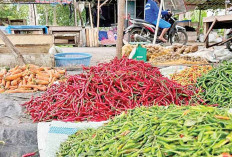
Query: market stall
x,y
216,22
129,106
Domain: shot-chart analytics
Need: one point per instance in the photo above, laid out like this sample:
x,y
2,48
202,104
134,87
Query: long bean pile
x,y
190,75
156,131
106,90
216,85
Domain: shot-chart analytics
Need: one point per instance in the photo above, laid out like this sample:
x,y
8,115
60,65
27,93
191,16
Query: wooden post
x,y
199,24
46,15
75,12
79,13
54,16
9,44
121,15
98,14
90,16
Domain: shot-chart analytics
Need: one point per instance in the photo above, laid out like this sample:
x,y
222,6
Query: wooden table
x,y
66,35
216,22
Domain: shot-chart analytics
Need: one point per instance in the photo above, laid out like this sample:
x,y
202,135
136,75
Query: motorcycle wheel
x,y
179,37
130,36
229,43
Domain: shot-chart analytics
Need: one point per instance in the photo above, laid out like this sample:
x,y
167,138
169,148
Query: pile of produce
x,y
176,59
158,55
106,90
190,75
183,49
28,78
216,85
156,131
127,49
154,51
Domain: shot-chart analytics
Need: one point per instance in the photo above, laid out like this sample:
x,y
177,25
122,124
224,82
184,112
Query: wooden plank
x,y
210,29
219,18
71,32
64,28
220,43
90,16
10,45
29,39
87,37
206,27
32,49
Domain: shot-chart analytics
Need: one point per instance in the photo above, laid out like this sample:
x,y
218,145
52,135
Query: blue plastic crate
x,y
72,59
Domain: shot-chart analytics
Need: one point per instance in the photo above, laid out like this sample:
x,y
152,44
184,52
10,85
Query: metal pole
x,y
126,9
158,21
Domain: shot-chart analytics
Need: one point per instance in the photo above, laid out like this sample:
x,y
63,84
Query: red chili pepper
x,y
29,154
103,91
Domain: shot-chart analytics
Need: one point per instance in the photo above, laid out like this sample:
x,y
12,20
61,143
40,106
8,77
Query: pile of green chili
x,y
216,86
156,131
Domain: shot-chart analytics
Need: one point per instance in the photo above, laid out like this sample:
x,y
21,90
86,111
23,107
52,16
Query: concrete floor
x,y
100,54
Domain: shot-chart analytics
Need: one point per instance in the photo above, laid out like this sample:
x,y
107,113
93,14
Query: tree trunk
x,y
98,14
54,16
79,13
75,12
32,17
121,14
46,15
10,45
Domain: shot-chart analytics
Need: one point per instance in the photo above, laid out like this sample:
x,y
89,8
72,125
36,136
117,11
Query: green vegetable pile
x,y
156,131
217,85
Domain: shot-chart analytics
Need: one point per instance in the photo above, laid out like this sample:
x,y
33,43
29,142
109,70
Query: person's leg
x,y
165,26
161,37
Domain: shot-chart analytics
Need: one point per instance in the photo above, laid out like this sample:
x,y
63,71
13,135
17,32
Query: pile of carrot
x,y
190,75
28,78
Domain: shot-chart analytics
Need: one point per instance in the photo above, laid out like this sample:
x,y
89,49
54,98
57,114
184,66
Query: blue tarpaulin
x,y
103,35
9,28
3,28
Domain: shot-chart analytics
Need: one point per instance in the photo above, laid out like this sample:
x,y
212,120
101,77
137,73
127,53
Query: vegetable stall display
x,y
156,131
106,90
28,78
190,75
175,54
216,86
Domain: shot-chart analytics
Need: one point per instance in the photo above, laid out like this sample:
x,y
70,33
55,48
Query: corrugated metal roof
x,y
206,4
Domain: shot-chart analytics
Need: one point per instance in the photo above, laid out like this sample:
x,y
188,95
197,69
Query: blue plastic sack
x,y
102,35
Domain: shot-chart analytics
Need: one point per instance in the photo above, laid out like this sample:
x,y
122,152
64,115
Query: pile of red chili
x,y
106,90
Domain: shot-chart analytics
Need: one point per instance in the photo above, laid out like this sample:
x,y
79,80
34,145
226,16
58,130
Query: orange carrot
x,y
23,68
61,71
16,71
19,91
53,80
57,75
3,82
42,78
14,83
221,117
13,77
2,90
41,88
20,83
13,87
24,81
31,77
42,82
7,85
